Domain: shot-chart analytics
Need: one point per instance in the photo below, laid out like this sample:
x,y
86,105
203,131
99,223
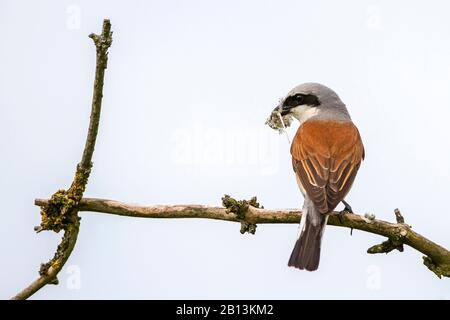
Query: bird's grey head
x,y
313,100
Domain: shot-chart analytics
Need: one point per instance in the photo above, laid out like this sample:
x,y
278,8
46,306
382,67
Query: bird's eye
x,y
299,98
294,100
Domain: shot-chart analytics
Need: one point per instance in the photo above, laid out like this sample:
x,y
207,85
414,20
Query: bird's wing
x,y
326,157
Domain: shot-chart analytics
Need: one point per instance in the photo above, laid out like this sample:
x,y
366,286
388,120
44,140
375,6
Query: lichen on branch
x,y
240,209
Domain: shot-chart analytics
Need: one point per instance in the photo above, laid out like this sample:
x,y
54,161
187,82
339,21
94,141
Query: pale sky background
x,y
187,90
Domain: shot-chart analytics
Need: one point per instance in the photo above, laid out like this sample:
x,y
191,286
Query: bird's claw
x,y
347,209
341,215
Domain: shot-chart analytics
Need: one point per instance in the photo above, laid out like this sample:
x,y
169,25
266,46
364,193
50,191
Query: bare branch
x,y
437,258
60,212
102,44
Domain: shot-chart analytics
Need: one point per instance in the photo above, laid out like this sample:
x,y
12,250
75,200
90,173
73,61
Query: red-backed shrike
x,y
326,154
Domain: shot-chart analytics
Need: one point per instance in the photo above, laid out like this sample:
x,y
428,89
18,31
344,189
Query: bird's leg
x,y
347,209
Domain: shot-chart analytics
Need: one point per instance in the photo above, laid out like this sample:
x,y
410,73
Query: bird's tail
x,y
306,253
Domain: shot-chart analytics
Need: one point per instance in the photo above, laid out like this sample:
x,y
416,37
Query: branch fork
x,y
60,212
437,259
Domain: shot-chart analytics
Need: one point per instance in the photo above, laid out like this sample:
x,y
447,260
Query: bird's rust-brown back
x,y
326,156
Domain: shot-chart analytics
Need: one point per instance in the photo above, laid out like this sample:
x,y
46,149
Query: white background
x,y
188,87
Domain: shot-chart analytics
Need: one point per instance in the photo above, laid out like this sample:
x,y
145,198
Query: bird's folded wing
x,y
326,157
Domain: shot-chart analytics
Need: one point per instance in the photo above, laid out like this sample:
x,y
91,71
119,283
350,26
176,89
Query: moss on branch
x,y
240,209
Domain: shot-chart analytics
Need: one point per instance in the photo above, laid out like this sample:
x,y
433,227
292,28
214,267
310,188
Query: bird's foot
x,y
347,209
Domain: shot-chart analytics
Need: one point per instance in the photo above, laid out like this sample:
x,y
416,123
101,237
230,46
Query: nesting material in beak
x,y
278,122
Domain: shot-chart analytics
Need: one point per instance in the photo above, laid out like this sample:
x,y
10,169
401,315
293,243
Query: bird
x,y
327,152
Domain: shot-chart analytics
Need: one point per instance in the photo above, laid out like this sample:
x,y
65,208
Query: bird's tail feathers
x,y
306,253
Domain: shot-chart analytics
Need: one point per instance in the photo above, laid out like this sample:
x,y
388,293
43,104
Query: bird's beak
x,y
283,110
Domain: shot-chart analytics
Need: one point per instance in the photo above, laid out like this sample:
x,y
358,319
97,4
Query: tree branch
x,y
437,258
60,212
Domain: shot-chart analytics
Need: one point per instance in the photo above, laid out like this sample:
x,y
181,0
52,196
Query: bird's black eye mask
x,y
301,99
